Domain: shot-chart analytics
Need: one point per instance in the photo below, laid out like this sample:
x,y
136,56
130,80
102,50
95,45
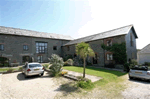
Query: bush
x,y
57,64
147,63
69,62
46,66
77,61
20,69
126,67
134,62
89,63
10,70
68,56
84,83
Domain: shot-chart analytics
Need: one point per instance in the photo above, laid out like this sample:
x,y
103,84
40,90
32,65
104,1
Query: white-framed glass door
x,y
40,59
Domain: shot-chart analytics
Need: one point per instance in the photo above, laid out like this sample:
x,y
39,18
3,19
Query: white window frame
x,y
109,56
109,44
40,59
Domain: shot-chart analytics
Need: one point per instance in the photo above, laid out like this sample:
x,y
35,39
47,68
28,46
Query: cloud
x,y
111,14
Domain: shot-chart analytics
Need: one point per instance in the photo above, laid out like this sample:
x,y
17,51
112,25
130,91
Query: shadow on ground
x,y
68,88
21,77
140,81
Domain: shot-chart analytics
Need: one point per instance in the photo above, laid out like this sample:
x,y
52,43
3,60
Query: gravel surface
x,y
14,85
137,89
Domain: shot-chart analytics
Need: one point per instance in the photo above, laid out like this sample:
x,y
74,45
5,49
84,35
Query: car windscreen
x,y
34,65
144,68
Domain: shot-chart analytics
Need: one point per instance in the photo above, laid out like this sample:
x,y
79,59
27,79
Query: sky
x,y
78,18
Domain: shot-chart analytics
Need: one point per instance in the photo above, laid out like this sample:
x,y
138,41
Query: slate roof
x,y
24,32
115,32
146,49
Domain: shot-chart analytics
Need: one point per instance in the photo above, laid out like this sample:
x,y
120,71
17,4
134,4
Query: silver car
x,y
140,72
32,69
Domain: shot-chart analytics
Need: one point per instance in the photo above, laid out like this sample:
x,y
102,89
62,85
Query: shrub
x,y
77,61
84,83
68,56
10,70
20,69
69,62
147,63
46,65
134,62
126,67
57,64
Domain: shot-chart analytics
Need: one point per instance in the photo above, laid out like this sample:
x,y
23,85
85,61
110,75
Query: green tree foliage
x,y
119,52
84,50
57,64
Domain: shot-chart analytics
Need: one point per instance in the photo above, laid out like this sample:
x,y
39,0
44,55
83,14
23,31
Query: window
x,y
41,47
109,56
34,65
131,39
75,55
109,43
95,59
25,47
1,47
68,48
54,47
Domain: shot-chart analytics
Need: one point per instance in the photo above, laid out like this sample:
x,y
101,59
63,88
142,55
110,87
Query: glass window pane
x,y
36,44
107,56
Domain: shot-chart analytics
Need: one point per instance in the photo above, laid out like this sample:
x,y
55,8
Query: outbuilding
x,y
144,55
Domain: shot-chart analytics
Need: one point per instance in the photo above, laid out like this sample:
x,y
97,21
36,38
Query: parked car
x,y
32,69
142,72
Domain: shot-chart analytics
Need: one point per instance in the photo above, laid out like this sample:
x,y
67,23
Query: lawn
x,y
5,69
107,75
111,82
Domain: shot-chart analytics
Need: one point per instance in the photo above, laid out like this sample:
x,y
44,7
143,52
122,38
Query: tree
x,y
84,50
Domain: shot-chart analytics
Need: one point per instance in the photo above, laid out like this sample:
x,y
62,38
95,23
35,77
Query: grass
x,y
5,69
107,75
46,65
112,81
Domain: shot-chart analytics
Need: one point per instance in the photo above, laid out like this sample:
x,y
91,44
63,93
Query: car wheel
x,y
42,74
130,77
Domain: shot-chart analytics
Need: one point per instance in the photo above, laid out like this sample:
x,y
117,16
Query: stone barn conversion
x,y
144,55
19,45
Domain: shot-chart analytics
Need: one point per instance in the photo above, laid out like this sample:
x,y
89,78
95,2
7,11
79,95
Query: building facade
x,y
125,34
19,45
144,55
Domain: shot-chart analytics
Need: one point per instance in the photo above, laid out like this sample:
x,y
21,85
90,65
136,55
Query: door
x,y
4,62
40,59
26,59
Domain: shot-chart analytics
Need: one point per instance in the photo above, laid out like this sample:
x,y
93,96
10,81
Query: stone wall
x,y
13,47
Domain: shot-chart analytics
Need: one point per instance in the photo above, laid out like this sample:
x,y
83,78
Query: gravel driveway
x,y
14,85
137,89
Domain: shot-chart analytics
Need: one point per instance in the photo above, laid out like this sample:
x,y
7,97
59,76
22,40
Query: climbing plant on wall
x,y
119,52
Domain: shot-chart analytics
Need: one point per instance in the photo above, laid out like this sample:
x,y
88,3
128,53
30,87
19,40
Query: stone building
x,y
125,34
20,45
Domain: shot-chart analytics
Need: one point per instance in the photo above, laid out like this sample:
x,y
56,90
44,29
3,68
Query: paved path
x,y
92,78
